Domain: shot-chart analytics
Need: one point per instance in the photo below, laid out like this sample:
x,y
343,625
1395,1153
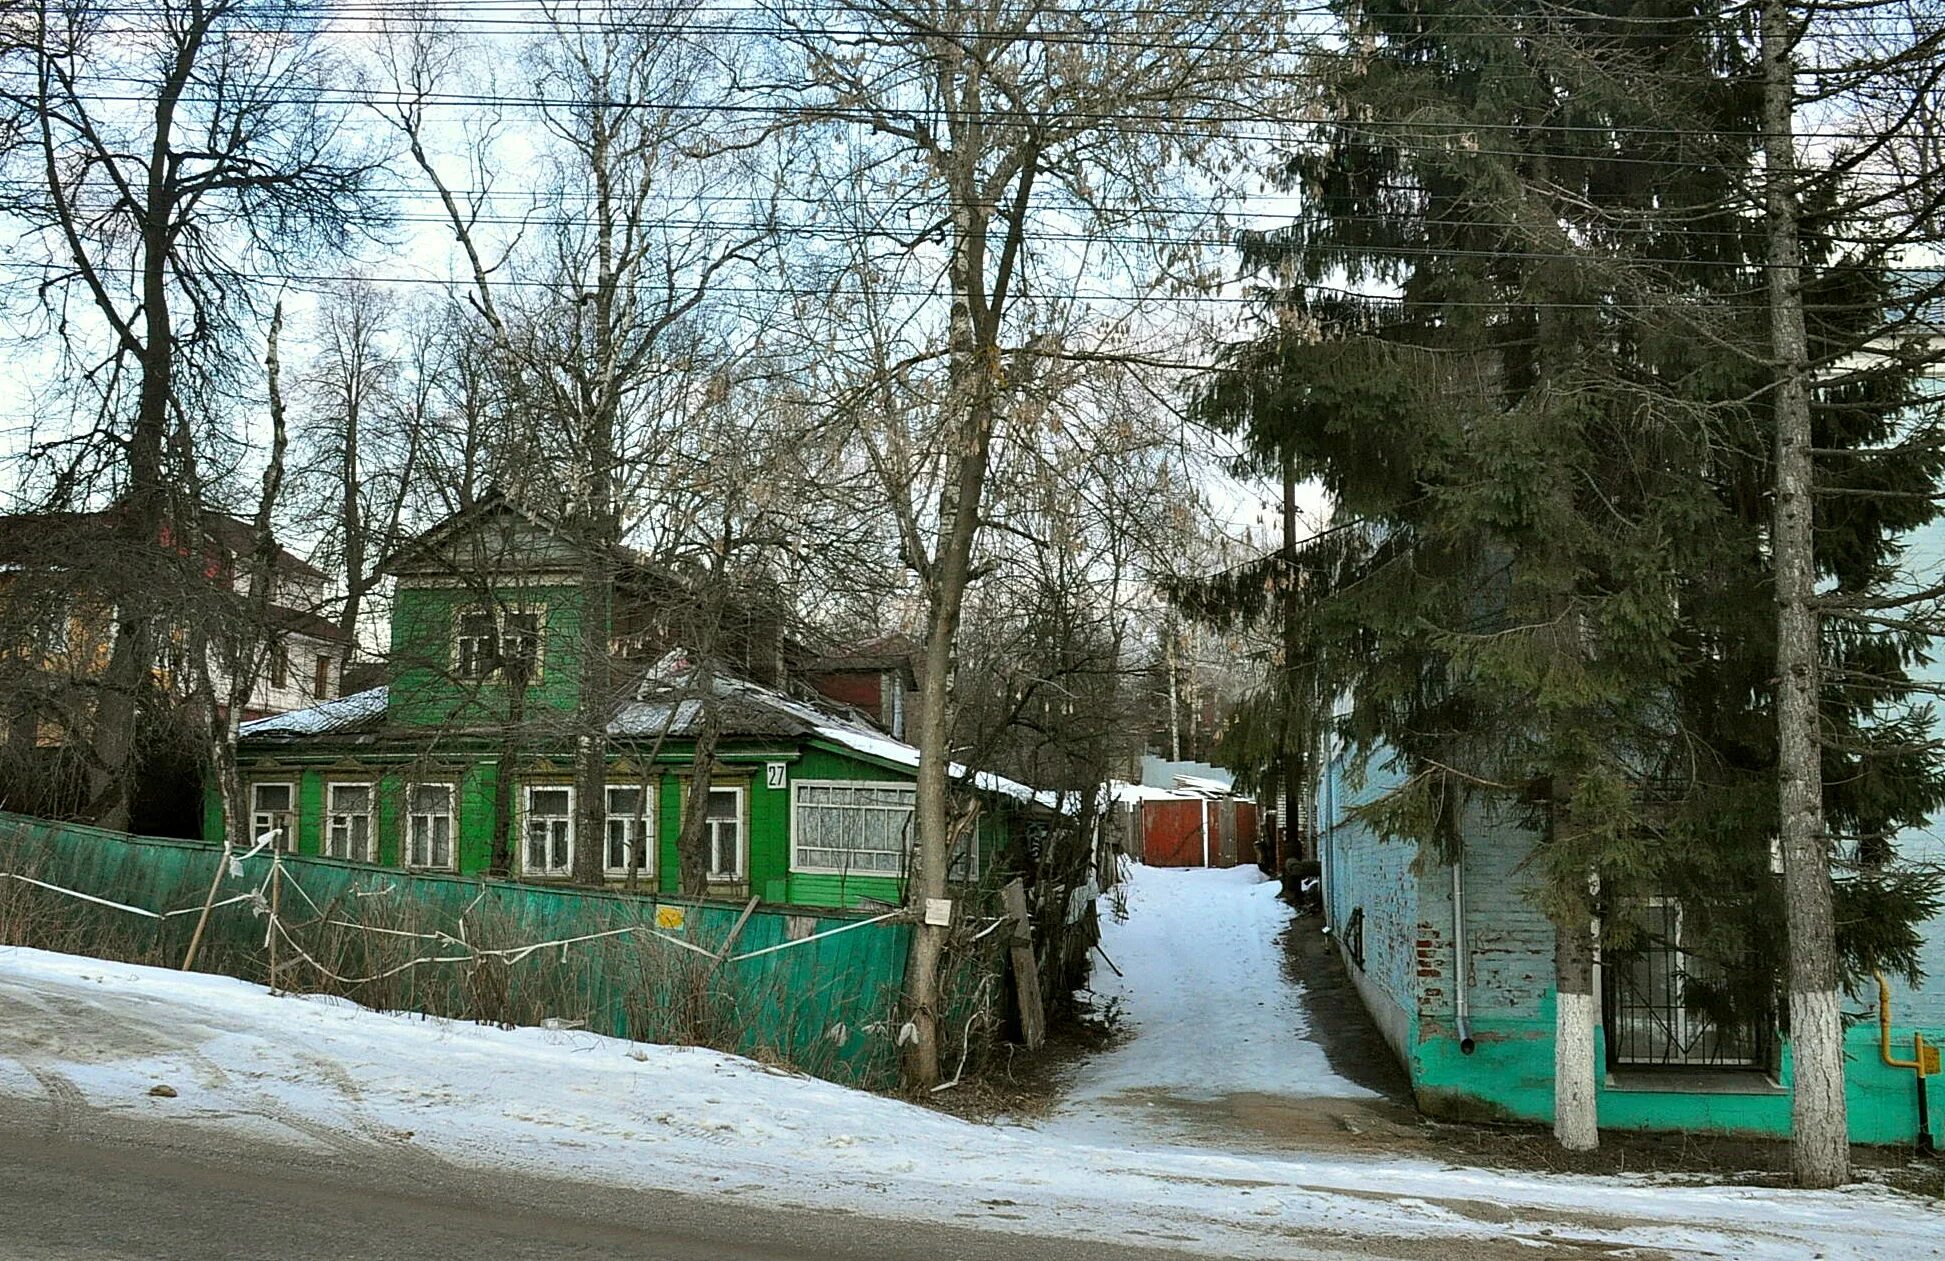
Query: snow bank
x,y
327,1074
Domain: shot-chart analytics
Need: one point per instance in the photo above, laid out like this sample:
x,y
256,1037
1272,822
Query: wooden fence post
x,y
1026,969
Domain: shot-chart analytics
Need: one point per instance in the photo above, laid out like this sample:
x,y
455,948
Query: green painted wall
x,y
424,692
768,819
1509,1076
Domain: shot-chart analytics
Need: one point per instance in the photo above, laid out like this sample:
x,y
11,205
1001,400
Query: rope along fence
x,y
815,989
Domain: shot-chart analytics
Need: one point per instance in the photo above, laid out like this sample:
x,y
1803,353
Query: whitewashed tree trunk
x,y
1820,1130
1575,1121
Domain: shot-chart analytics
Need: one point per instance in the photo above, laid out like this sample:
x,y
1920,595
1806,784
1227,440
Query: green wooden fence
x,y
824,1003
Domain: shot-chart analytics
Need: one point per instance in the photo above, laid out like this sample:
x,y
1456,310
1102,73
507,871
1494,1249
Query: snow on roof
x,y
758,710
1125,793
859,737
337,715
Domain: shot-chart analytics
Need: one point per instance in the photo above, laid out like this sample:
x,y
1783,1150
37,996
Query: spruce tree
x,y
1548,593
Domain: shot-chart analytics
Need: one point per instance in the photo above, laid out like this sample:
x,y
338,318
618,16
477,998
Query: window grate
x,y
1651,1012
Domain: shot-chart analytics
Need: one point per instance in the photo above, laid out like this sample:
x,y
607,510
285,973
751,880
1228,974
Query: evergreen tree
x,y
1547,596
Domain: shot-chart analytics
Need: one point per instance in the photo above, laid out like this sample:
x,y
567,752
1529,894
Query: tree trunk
x,y
692,842
500,860
593,707
1291,768
1820,1146
1575,1122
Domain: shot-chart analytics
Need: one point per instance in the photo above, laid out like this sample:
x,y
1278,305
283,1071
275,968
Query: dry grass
x,y
390,950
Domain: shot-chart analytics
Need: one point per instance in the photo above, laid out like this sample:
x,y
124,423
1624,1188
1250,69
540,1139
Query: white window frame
x,y
797,807
964,867
742,871
487,662
262,821
640,829
333,815
538,611
451,814
527,792
496,616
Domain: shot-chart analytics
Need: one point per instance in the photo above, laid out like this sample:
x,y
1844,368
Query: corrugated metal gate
x,y
1172,833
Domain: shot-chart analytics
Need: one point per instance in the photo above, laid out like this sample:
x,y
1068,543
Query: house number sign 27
x,y
774,774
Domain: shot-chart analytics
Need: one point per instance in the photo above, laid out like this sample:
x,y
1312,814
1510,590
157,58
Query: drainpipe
x,y
1205,831
1461,1003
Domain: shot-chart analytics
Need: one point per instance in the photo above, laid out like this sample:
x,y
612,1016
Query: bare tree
x,y
595,319
172,162
995,132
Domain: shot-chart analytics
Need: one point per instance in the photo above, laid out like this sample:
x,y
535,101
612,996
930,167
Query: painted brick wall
x,y
1509,941
1363,872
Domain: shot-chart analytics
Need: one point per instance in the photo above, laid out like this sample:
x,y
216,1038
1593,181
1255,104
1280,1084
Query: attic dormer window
x,y
490,640
476,645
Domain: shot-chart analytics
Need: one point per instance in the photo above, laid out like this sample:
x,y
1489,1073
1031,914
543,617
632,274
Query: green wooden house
x,y
810,802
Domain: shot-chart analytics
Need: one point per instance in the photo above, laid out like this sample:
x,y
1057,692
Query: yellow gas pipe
x,y
1924,1061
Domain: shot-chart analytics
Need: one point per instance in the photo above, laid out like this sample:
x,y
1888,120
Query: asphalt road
x,y
155,1194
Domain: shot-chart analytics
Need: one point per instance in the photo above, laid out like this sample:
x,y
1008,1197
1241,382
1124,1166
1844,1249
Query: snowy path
x,y
85,1040
1211,1016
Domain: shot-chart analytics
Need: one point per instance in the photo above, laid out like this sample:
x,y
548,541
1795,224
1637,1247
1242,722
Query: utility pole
x,y
1290,757
1820,1131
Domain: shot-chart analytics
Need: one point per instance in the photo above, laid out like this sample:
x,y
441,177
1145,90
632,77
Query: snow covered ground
x,y
77,1033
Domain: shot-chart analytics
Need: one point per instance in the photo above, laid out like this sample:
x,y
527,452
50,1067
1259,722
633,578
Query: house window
x,y
852,829
1658,996
321,681
271,810
475,644
53,631
279,663
486,640
724,823
429,826
631,832
862,829
520,641
550,831
348,831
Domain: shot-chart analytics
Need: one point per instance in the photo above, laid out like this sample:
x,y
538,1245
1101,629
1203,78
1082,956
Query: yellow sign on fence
x,y
670,917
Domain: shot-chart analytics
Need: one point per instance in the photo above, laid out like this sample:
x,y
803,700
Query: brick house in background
x,y
58,573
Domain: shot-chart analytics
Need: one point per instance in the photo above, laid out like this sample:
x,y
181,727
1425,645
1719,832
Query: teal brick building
x,y
1455,965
